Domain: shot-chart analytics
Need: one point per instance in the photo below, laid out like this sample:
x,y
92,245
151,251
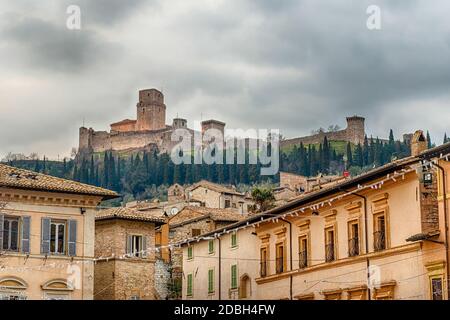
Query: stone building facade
x,y
351,241
124,247
38,263
149,130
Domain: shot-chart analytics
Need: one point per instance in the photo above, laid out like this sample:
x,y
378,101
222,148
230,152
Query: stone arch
x,y
13,283
57,285
245,288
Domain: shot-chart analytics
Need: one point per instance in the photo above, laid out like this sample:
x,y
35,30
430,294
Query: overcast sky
x,y
292,65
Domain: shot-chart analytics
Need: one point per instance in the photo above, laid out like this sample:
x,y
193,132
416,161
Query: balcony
x,y
329,252
379,240
353,247
280,264
263,268
303,259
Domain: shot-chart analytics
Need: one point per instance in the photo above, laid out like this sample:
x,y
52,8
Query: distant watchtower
x,y
151,110
355,129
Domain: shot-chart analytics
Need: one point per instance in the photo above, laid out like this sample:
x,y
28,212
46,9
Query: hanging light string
x,y
394,177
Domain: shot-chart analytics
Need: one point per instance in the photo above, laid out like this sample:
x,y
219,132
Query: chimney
x,y
418,143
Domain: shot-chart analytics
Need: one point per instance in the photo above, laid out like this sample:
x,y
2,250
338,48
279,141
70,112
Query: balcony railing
x,y
303,259
329,252
280,265
353,247
263,269
379,240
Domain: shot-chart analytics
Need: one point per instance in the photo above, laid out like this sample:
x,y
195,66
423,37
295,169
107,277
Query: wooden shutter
x,y
144,247
129,244
233,276
45,235
72,238
189,284
2,221
210,281
25,238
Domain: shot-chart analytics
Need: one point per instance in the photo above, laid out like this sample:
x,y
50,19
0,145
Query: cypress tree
x,y
349,155
429,140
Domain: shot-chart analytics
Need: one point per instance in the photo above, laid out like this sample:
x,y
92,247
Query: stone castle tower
x,y
151,111
355,129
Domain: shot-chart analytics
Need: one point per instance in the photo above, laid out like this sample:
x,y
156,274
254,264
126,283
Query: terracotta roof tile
x,y
11,177
215,187
128,214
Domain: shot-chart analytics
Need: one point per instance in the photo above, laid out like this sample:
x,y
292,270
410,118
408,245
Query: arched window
x,y
245,290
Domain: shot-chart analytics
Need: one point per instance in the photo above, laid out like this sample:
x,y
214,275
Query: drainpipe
x,y
290,256
366,240
447,253
220,268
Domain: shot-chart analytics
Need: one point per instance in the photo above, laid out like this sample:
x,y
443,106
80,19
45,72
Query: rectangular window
x,y
189,285
234,239
234,284
227,203
436,289
211,281
10,234
303,252
263,269
329,245
353,238
211,246
196,232
379,236
279,258
58,237
190,253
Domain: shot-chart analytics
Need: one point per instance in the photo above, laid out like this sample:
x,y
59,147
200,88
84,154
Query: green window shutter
x,y
189,285
211,246
190,253
25,234
234,276
210,281
234,239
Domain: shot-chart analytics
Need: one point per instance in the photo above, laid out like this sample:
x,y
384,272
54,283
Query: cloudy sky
x,y
293,65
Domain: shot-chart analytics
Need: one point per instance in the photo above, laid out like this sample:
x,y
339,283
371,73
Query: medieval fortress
x,y
150,130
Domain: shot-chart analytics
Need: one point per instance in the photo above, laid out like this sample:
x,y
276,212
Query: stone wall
x,y
162,278
354,133
122,278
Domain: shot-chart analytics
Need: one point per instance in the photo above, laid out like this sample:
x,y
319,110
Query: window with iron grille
x,y
263,262
353,241
379,236
303,252
279,258
329,245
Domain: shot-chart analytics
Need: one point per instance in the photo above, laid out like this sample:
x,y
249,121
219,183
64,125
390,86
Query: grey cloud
x,y
46,46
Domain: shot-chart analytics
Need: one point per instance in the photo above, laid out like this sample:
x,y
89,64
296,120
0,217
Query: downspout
x,y
444,195
220,268
366,241
290,256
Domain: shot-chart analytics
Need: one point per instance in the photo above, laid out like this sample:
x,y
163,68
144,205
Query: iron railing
x,y
303,259
329,252
263,269
379,240
353,247
280,264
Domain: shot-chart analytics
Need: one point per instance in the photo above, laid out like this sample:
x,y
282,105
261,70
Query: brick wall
x,y
127,277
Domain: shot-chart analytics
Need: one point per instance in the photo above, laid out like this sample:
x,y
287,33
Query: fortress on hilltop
x,y
149,130
354,133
